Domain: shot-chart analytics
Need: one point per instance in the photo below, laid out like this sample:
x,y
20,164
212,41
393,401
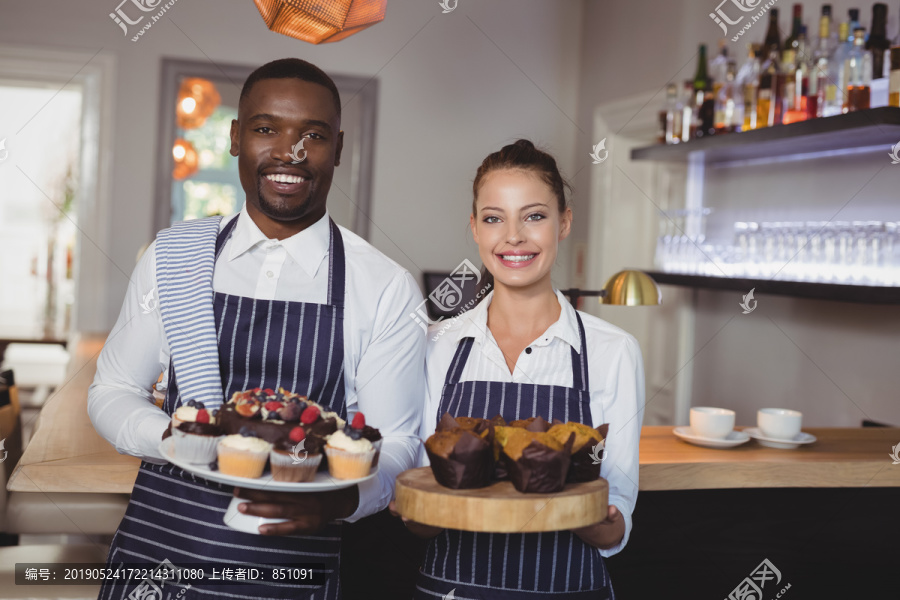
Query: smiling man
x,y
234,295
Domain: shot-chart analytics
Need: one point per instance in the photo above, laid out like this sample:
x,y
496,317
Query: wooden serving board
x,y
499,508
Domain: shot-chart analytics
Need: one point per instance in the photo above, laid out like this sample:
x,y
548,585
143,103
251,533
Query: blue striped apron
x,y
499,566
255,343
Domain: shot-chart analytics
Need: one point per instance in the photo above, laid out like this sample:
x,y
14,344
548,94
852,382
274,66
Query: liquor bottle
x,y
791,42
748,80
729,102
854,24
790,106
858,68
673,115
878,42
687,111
821,88
773,38
704,103
837,72
718,68
894,86
769,100
797,72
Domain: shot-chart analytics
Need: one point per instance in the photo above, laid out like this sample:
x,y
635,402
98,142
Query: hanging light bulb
x,y
197,100
322,21
186,163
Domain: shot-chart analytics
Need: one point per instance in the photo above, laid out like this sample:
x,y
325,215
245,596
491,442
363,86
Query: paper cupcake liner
x,y
285,469
349,465
241,463
195,448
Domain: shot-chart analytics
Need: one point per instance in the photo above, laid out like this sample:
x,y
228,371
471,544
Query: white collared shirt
x,y
615,375
383,346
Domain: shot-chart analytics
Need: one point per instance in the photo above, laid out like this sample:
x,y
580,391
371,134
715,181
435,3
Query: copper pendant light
x,y
317,21
197,100
186,160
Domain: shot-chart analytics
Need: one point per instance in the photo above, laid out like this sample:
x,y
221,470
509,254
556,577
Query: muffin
x,y
243,455
461,459
536,461
196,435
586,449
348,458
292,461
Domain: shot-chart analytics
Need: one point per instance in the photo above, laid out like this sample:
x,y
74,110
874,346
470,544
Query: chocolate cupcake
x,y
587,449
536,462
461,459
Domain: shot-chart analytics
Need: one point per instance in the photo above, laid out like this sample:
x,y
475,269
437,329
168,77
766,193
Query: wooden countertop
x,y
840,457
67,455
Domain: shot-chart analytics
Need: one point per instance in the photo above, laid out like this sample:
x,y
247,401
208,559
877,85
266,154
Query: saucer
x,y
782,444
734,438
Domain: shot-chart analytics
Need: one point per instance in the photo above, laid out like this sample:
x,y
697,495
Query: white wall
x,y
835,361
453,88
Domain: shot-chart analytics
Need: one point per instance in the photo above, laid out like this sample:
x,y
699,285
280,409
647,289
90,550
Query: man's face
x,y
274,116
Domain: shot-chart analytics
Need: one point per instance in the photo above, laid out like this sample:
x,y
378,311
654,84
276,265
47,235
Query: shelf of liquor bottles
x,y
875,127
797,289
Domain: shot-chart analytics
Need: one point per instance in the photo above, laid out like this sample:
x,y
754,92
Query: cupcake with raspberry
x,y
350,455
243,454
196,433
292,461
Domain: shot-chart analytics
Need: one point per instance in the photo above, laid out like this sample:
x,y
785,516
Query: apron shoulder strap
x,y
579,361
463,348
336,266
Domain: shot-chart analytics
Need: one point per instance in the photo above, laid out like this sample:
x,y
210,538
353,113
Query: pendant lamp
x,y
322,20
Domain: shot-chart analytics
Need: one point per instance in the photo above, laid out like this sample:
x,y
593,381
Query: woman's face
x,y
518,227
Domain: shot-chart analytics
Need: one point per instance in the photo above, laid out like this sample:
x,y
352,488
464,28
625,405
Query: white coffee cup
x,y
710,422
779,423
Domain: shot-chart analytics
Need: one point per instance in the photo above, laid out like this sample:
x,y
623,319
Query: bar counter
x,y
67,455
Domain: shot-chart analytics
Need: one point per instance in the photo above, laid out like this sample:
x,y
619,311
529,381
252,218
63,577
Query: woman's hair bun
x,y
525,144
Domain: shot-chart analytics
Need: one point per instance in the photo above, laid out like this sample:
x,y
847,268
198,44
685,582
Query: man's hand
x,y
307,513
418,529
606,533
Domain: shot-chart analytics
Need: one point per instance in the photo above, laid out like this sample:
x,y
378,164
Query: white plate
x,y
735,438
782,444
322,482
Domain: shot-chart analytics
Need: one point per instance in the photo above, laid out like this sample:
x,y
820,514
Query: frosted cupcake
x,y
349,458
196,434
292,461
243,455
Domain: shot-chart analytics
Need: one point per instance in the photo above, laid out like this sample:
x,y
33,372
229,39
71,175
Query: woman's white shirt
x,y
615,375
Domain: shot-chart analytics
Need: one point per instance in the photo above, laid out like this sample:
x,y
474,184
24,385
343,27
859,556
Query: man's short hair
x,y
284,68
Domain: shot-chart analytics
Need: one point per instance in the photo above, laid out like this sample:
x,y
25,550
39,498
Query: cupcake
x,y
536,461
586,449
196,435
292,461
461,459
243,455
349,458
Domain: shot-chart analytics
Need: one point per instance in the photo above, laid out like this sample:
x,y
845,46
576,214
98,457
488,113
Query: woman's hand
x,y
307,513
606,533
418,529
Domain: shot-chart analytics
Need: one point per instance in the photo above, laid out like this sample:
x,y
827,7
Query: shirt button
x,y
270,274
527,350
